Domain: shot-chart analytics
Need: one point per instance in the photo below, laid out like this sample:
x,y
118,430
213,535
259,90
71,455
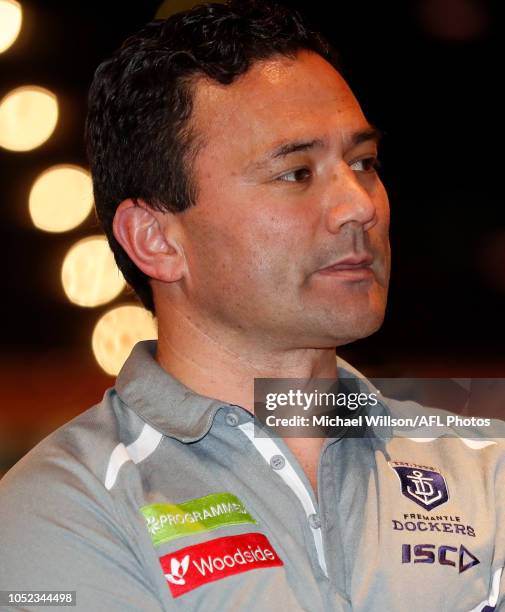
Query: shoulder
x,y
79,446
414,420
471,447
66,469
59,518
62,480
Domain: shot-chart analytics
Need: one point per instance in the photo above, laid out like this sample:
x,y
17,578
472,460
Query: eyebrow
x,y
369,134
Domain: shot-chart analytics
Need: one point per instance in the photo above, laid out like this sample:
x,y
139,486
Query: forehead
x,y
275,101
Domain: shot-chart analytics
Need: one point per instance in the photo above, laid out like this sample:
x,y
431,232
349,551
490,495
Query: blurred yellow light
x,y
28,116
61,198
117,332
89,274
11,17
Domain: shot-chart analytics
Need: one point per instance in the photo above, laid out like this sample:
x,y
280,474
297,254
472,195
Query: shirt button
x,y
314,521
231,419
277,462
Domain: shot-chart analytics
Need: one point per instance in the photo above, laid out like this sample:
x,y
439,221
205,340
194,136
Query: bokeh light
x,y
11,17
61,198
117,332
28,116
89,274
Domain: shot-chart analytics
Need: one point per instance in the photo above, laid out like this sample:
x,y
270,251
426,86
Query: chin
x,y
333,333
357,327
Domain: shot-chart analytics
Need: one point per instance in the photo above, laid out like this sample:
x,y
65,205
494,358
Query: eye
x,y
300,175
367,164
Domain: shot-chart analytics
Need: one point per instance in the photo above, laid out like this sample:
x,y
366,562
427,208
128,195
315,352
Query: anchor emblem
x,y
425,487
424,490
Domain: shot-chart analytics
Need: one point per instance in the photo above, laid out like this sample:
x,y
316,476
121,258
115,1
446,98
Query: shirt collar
x,y
161,400
173,408
347,371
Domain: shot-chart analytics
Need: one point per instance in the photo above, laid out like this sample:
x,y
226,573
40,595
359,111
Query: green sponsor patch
x,y
168,521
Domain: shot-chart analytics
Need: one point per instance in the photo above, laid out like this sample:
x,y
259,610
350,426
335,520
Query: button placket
x,y
314,521
231,419
267,448
277,462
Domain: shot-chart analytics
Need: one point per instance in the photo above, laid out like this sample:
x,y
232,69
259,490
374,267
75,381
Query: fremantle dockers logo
x,y
425,487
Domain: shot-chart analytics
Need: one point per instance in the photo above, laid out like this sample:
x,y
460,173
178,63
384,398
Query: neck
x,y
218,363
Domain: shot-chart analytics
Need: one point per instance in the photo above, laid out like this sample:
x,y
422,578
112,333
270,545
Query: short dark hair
x,y
139,138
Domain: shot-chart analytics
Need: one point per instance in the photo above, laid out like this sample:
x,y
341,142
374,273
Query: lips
x,y
355,267
352,262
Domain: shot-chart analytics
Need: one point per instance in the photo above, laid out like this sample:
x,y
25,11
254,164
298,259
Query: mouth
x,y
352,268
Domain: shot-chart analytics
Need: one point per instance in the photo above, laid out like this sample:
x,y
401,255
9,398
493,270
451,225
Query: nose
x,y
350,203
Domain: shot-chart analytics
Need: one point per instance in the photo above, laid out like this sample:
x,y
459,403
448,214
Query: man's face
x,y
286,188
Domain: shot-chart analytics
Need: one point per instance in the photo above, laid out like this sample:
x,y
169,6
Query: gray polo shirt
x,y
161,499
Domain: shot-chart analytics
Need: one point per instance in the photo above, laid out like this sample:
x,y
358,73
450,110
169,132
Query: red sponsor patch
x,y
190,567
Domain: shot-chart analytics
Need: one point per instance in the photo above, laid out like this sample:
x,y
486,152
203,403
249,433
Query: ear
x,y
150,239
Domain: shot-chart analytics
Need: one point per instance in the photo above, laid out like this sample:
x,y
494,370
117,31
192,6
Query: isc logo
x,y
461,558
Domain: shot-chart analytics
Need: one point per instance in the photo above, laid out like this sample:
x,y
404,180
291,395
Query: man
x,y
235,176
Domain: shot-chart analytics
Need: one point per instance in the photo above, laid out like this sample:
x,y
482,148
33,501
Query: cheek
x,y
383,206
231,253
269,242
379,234
241,233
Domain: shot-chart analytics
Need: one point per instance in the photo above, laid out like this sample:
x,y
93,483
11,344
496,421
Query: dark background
x,y
427,72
